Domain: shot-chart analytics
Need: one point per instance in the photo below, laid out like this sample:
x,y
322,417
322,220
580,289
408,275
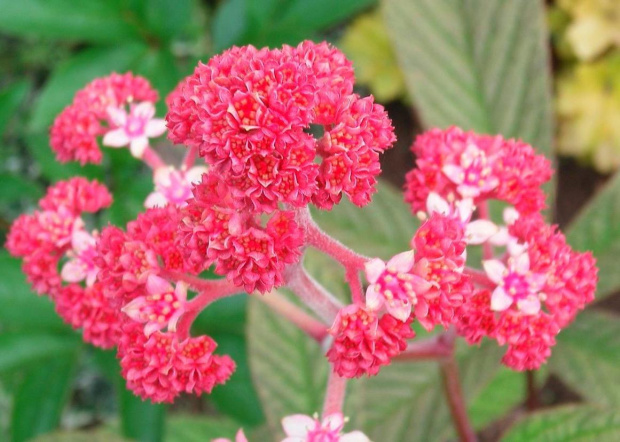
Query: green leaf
x,y
21,349
569,423
98,435
478,64
237,398
199,428
224,316
229,24
74,73
502,394
382,228
587,357
94,20
22,309
41,397
168,18
14,188
141,420
597,228
11,98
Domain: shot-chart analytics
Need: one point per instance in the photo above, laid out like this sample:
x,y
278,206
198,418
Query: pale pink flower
x,y
394,285
515,284
473,176
81,264
134,128
302,428
174,186
161,307
239,437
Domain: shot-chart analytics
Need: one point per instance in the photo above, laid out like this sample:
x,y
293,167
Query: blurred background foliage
x,y
431,62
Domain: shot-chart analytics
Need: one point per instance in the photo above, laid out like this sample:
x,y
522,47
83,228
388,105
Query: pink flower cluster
x,y
248,110
56,237
99,109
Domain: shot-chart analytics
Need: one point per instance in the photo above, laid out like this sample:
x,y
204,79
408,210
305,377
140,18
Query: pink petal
x,y
91,277
152,327
132,309
73,271
454,173
495,270
500,300
155,128
467,191
500,238
479,231
399,309
465,208
374,299
118,116
181,291
138,146
156,285
402,262
374,268
529,305
510,215
194,175
420,285
116,138
522,263
240,437
333,422
144,110
298,425
436,204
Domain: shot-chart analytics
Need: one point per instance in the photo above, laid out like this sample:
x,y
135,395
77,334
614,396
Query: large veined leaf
x,y
199,428
478,64
570,423
20,349
587,357
597,228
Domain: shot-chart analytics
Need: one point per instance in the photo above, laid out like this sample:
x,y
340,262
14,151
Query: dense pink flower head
x,y
160,367
77,195
363,342
97,109
302,428
251,253
457,164
248,110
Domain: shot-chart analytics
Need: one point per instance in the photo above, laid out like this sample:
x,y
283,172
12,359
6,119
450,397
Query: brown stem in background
x,y
532,401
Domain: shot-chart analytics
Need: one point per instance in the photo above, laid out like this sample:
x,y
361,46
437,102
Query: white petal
x,y
479,231
373,269
118,116
400,310
436,204
514,248
530,305
495,270
500,300
73,271
500,238
467,191
401,263
465,209
510,215
146,110
374,299
155,199
138,146
334,421
194,175
116,138
297,425
155,128
152,327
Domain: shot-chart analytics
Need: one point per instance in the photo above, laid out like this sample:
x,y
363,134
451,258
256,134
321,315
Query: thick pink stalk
x,y
314,328
352,262
431,348
334,396
479,277
311,293
483,213
454,393
190,157
152,159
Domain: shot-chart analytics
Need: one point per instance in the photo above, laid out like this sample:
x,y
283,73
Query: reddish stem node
x,y
152,159
314,328
334,396
311,293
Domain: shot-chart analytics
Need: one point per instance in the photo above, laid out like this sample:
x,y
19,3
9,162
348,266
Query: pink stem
x,y
190,157
435,347
311,293
334,396
483,213
315,329
352,262
479,277
151,158
454,394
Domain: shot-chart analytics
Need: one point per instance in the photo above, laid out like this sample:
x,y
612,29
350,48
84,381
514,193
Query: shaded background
x,y
49,380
